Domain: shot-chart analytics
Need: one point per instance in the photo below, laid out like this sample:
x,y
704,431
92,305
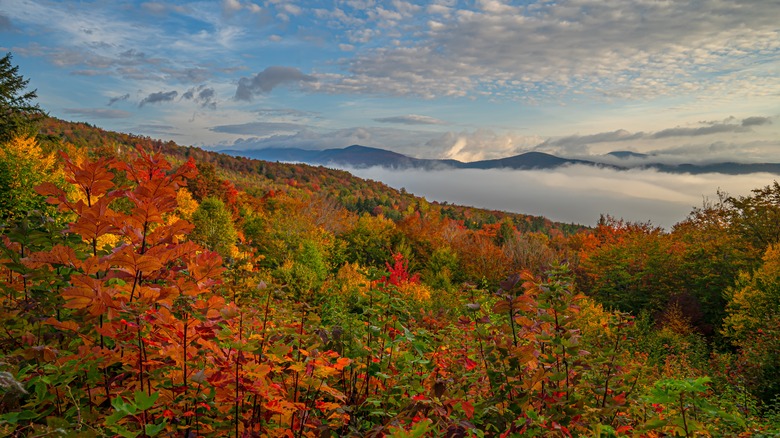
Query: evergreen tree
x,y
17,112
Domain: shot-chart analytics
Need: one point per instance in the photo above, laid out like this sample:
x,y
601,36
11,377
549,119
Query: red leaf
x,y
468,409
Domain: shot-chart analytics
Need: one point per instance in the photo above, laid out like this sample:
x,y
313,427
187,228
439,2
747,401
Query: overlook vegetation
x,y
150,289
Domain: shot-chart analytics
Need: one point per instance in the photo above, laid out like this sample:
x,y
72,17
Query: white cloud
x,y
291,9
231,5
633,49
744,140
481,144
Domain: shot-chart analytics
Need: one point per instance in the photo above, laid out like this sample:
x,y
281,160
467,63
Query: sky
x,y
683,81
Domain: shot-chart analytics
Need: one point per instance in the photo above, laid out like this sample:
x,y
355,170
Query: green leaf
x,y
124,432
154,429
116,416
654,424
57,423
10,417
121,406
41,390
144,402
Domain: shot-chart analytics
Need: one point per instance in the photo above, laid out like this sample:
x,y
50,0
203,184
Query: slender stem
x,y
682,412
141,368
238,365
184,364
609,367
265,321
512,320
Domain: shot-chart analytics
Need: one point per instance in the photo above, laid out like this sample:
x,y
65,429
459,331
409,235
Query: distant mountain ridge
x,y
355,156
363,156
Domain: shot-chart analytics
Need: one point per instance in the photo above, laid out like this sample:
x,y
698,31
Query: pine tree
x,y
17,111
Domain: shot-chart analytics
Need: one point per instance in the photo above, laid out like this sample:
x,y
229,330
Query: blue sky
x,y
683,81
687,81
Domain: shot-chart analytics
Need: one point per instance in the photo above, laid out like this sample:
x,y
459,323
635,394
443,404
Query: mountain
x,y
627,154
362,156
728,168
528,160
353,156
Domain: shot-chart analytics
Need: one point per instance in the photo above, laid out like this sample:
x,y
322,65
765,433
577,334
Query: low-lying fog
x,y
578,194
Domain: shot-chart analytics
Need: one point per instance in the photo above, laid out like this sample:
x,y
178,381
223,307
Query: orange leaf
x,y
93,177
167,234
94,221
86,292
63,325
58,255
341,363
205,268
127,260
93,265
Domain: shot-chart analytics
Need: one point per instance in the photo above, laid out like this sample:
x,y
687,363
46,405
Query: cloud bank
x,y
634,49
576,194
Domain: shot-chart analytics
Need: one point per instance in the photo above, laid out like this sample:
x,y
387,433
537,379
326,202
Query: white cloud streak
x,y
411,119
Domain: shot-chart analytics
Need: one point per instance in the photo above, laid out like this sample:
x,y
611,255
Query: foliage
x,y
682,409
23,165
213,227
752,323
757,217
433,320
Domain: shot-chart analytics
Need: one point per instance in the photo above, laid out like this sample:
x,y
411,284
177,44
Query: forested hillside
x,y
255,176
150,289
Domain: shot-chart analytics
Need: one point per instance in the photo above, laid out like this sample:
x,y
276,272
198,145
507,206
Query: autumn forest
x,y
152,289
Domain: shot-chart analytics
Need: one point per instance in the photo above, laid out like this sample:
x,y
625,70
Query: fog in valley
x,y
578,194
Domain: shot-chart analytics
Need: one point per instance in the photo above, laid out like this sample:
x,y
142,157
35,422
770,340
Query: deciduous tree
x,y
214,226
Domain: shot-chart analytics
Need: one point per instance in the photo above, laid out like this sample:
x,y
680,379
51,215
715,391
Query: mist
x,y
573,194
